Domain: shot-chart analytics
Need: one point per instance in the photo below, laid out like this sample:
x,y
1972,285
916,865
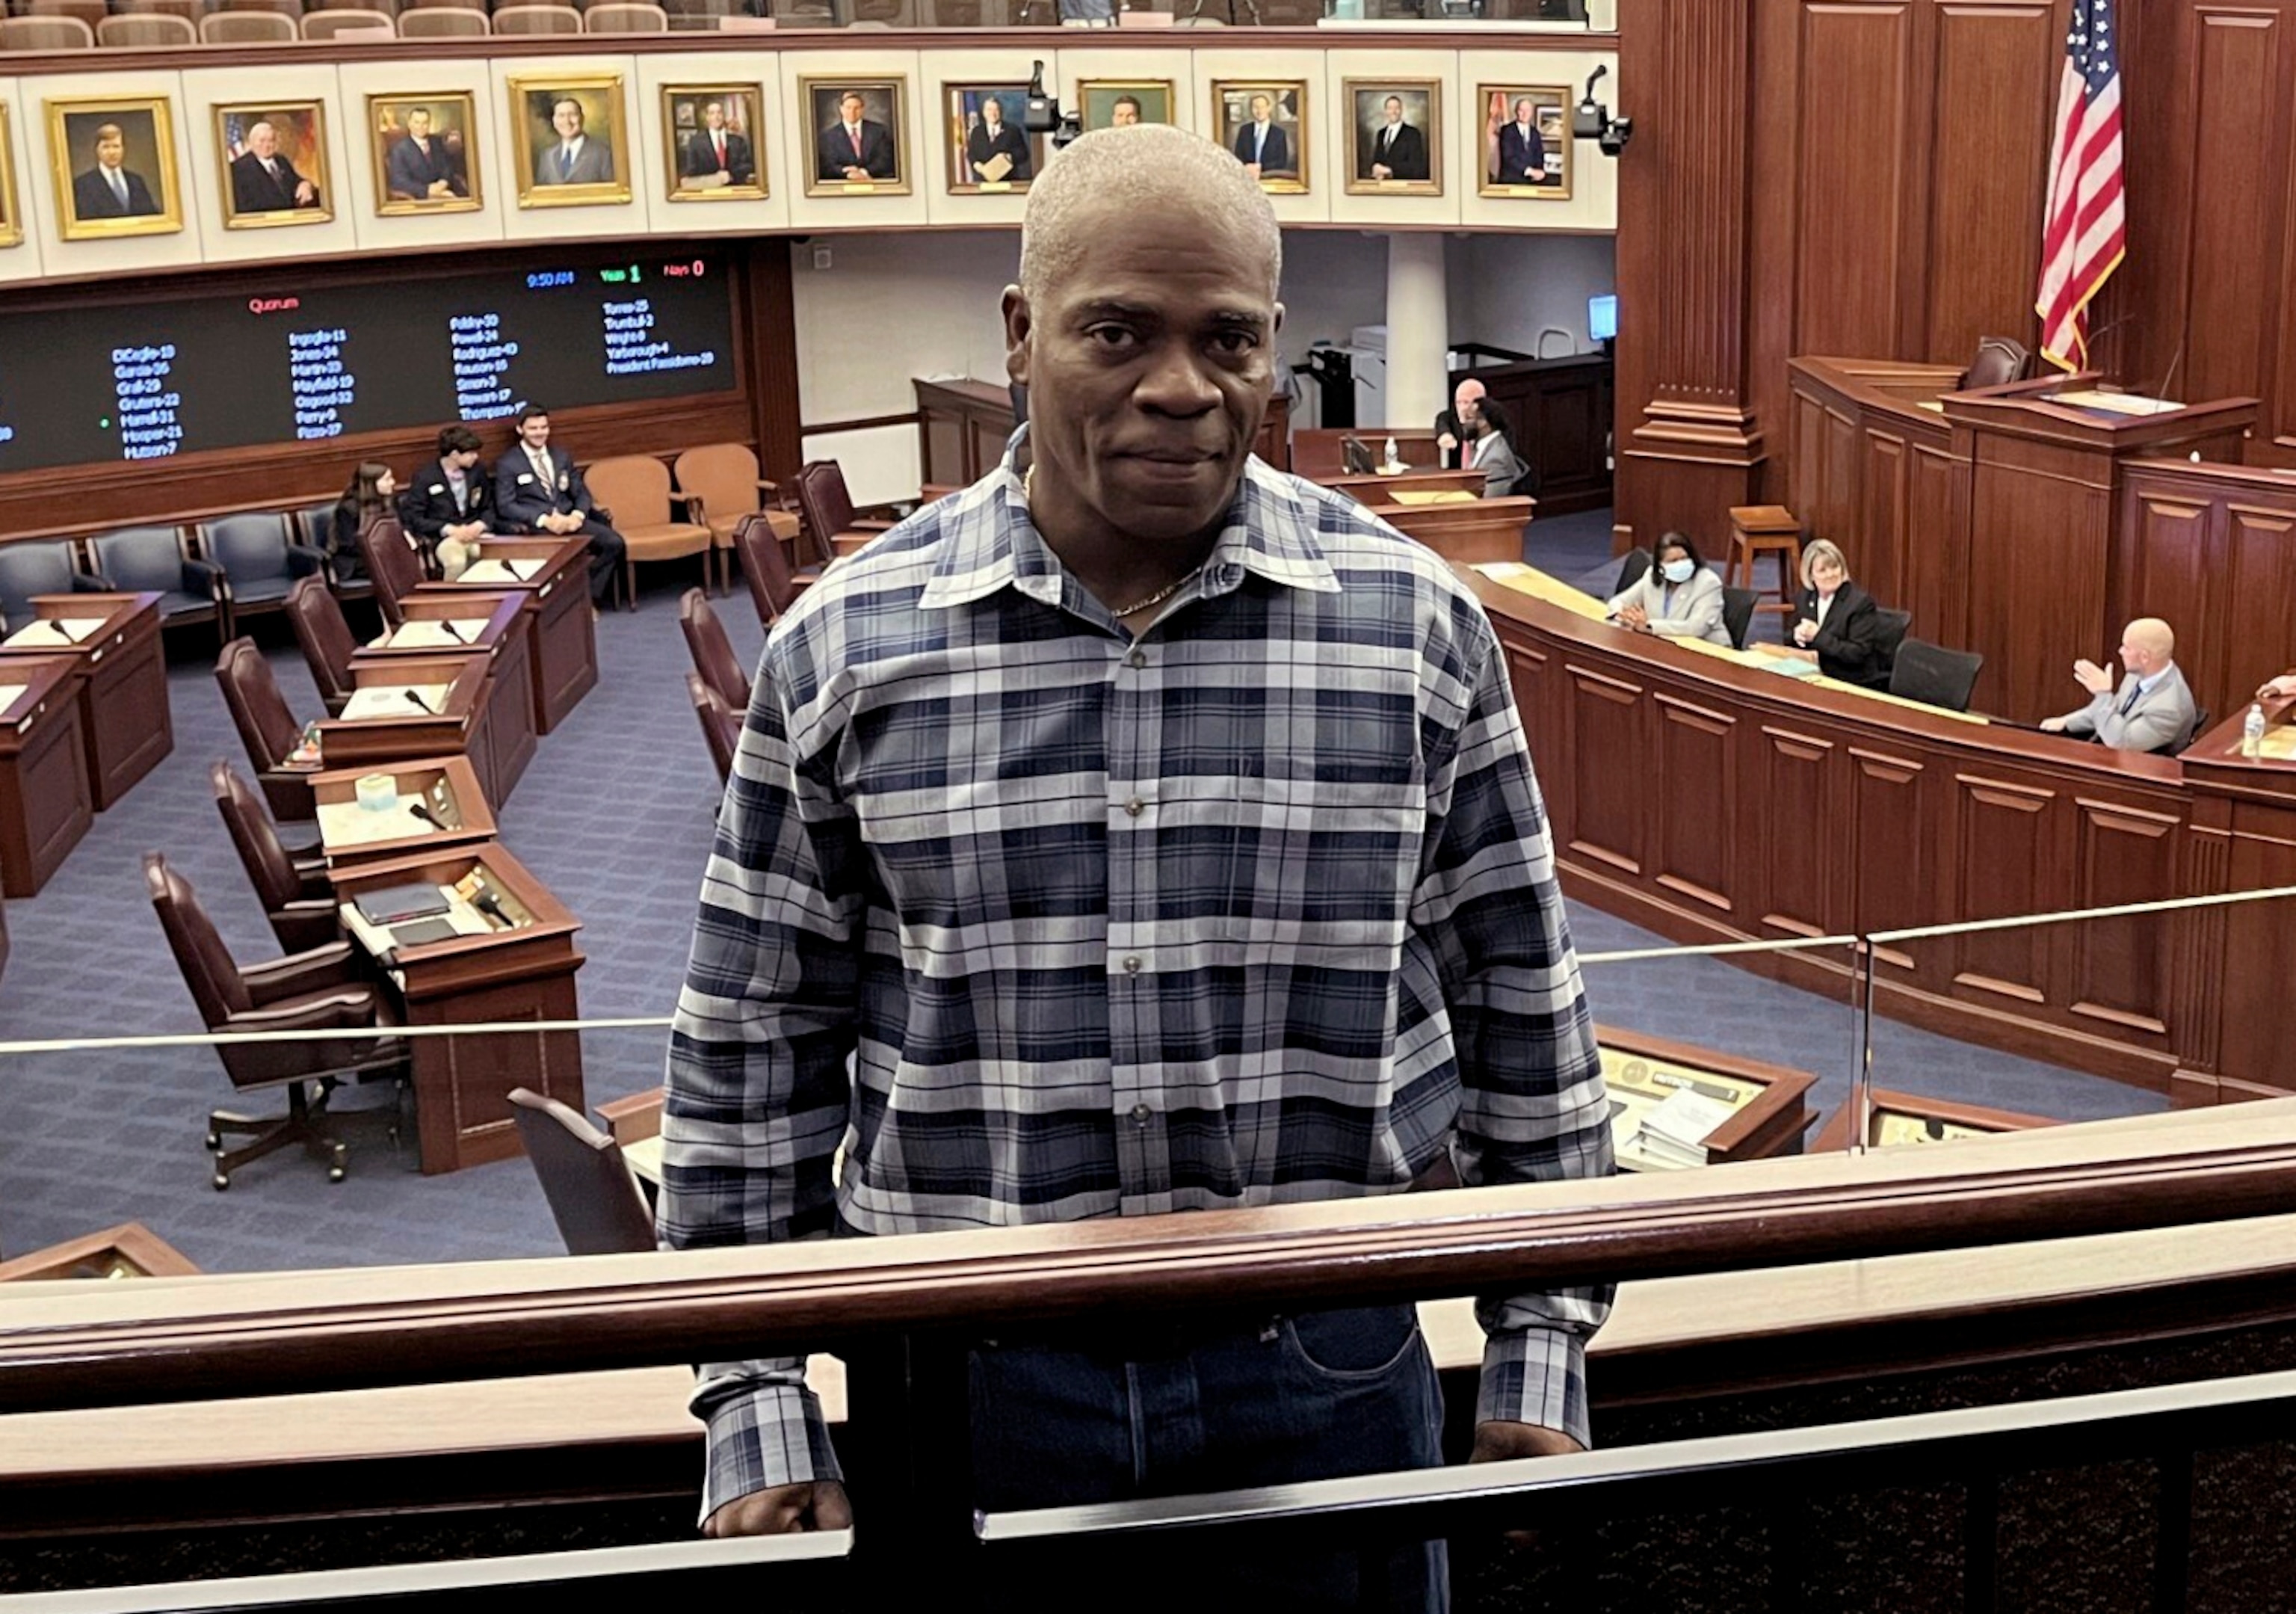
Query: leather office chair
x,y
296,894
636,487
722,488
1738,614
393,563
773,588
1894,624
155,560
260,560
327,640
712,651
1934,675
721,725
317,991
837,527
266,727
598,1205
39,566
1999,361
1632,570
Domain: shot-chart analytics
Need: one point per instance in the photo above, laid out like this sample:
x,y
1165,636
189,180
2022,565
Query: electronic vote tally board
x,y
179,375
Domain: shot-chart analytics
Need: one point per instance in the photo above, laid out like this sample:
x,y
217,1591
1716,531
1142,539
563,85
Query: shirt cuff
x,y
1536,1375
772,1436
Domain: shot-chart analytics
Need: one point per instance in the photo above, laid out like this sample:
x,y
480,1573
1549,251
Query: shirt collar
x,y
991,542
2144,685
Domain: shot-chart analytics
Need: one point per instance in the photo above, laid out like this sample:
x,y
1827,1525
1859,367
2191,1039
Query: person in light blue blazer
x,y
1679,597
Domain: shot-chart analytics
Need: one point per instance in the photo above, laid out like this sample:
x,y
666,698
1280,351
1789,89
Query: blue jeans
x,y
1059,1421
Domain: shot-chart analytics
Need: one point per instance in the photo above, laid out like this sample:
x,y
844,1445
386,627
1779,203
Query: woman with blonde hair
x,y
1837,625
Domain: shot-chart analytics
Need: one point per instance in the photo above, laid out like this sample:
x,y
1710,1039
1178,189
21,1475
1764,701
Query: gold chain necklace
x,y
1028,496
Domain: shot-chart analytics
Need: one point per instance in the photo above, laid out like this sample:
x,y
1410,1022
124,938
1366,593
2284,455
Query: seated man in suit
x,y
1522,149
2151,710
1262,146
107,190
539,490
715,155
1396,151
447,504
855,147
576,158
419,168
1837,625
263,181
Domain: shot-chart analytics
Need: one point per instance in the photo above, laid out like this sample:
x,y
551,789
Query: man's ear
x,y
1018,323
1277,329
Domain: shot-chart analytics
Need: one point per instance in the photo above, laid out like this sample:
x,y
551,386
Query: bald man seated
x,y
2151,710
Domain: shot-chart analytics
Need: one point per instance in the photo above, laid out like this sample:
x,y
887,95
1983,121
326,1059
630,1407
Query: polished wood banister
x,y
222,1337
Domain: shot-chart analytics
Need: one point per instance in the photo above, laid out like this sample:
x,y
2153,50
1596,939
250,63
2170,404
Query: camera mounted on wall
x,y
1041,114
1592,120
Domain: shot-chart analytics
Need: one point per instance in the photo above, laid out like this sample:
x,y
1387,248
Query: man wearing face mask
x,y
1676,598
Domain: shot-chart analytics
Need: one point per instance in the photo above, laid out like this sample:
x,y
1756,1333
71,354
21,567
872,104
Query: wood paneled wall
x,y
1864,178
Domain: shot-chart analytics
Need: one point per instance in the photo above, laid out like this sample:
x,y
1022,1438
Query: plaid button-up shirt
x,y
1042,923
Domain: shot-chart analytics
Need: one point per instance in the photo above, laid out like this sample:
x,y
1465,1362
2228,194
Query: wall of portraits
x,y
151,168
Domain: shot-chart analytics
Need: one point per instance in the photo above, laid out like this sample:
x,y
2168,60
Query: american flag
x,y
2084,231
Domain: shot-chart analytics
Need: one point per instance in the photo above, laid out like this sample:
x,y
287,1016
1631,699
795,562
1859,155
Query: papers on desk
x,y
396,700
1674,1133
424,635
1431,496
1787,666
2278,745
347,824
379,940
53,633
10,694
499,571
2116,403
1643,1090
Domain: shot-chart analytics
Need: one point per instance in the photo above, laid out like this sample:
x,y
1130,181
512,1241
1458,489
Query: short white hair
x,y
1147,168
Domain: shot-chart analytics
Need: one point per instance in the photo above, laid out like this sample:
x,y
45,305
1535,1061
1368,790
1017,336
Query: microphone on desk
x,y
448,627
425,814
419,701
490,905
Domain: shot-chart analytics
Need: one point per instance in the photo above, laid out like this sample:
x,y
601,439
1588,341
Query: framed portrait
x,y
988,149
1112,102
1395,136
571,139
1264,121
274,158
113,158
426,154
713,138
12,217
1526,141
857,137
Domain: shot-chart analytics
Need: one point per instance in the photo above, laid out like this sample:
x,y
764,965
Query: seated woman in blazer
x,y
1678,597
1838,625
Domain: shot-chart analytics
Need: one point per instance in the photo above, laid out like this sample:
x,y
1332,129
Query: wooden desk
x,y
490,724
45,804
562,641
526,973
1316,454
130,1250
1467,533
1899,1120
447,786
1382,488
120,684
1770,1102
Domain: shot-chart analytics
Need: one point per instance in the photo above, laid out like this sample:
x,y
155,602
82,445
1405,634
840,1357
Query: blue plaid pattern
x,y
1042,924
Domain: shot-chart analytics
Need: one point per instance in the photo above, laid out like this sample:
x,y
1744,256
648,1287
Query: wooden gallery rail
x,y
915,1300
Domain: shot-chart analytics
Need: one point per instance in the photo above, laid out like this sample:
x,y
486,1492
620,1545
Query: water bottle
x,y
2252,732
1391,459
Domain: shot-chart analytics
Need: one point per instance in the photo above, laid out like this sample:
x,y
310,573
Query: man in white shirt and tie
x,y
716,156
856,148
1399,149
110,189
263,180
576,158
1522,149
1262,146
539,488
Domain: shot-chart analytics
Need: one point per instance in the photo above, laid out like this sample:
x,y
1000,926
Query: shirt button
x,y
1133,808
1132,964
1136,660
1141,1112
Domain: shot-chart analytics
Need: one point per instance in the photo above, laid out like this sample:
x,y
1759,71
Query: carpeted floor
x,y
614,815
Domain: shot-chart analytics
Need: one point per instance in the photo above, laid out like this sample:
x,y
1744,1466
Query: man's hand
x,y
1446,442
1499,1440
1379,170
441,188
855,171
2053,725
469,532
786,1509
306,194
2274,688
2093,678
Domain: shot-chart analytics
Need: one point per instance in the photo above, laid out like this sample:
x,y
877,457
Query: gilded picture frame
x,y
425,146
1277,155
140,192
11,217
296,188
720,162
569,139
984,160
878,162
1100,100
1503,172
1395,136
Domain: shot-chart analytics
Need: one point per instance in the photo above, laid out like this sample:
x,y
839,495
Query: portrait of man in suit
x,y
423,151
276,160
1265,126
571,141
860,139
1526,141
115,167
711,138
1117,103
987,148
1392,137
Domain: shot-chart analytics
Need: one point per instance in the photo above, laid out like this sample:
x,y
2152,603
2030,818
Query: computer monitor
x,y
1602,317
1356,456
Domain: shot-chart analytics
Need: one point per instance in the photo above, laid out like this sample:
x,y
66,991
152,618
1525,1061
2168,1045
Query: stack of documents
x,y
499,571
1674,1132
54,633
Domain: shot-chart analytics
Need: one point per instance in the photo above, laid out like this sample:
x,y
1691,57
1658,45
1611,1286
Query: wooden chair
x,y
538,20
636,487
1760,530
721,725
838,529
712,652
297,898
327,640
247,27
596,1203
723,478
625,17
267,728
146,32
774,587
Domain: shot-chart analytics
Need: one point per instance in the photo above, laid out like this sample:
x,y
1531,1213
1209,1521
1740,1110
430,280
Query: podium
x,y
45,804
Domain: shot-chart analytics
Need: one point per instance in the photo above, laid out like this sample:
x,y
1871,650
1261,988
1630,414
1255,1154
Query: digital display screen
x,y
1603,318
150,380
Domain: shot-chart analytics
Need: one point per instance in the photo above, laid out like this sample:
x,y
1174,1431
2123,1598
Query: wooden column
x,y
1688,446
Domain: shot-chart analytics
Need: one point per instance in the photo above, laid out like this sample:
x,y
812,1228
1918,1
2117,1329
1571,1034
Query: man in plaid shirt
x,y
1154,832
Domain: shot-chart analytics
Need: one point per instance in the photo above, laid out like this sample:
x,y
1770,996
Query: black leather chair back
x,y
1894,624
1934,675
140,559
712,651
391,561
266,727
1633,570
1738,613
592,1196
33,566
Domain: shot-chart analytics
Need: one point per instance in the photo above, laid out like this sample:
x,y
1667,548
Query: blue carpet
x,y
614,815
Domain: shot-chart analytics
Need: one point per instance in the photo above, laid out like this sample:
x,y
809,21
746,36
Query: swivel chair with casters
x,y
721,725
267,728
319,992
29,568
773,588
155,560
325,636
594,1198
712,651
297,898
